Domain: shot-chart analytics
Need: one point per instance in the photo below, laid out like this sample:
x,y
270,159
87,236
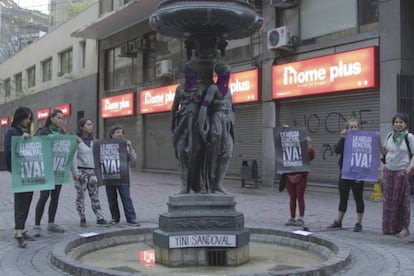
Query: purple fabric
x,y
190,80
87,140
206,103
361,156
223,83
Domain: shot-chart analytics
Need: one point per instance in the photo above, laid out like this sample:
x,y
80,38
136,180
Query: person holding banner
x,y
53,125
117,132
83,170
296,184
399,164
21,126
345,185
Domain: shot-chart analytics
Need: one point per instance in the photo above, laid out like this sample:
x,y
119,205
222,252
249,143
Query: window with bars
x,y
66,61
47,70
31,76
18,83
7,87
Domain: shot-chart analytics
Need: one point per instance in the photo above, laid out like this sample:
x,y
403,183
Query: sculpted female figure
x,y
184,126
216,121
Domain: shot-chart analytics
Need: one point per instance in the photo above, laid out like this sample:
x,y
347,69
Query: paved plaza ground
x,y
264,207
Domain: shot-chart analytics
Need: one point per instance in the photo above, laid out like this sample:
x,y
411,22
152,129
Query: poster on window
x,y
291,150
111,161
63,149
32,165
361,156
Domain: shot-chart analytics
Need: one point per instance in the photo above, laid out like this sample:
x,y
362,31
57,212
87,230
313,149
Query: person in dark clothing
x,y
117,132
53,125
346,185
21,125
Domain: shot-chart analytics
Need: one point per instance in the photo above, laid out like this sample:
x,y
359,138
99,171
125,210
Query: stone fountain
x,y
203,227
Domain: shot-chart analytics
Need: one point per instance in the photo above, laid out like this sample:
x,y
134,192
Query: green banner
x,y
63,149
32,164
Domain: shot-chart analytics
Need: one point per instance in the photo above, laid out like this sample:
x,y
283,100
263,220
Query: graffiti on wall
x,y
330,124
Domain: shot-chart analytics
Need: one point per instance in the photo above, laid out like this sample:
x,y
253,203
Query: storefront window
x,y
171,49
324,18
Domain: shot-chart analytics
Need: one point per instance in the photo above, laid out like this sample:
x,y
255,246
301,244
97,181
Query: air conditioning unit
x,y
278,37
283,4
163,68
143,44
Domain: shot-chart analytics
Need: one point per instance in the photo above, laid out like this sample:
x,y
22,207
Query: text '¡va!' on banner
x,y
111,159
290,144
361,156
41,162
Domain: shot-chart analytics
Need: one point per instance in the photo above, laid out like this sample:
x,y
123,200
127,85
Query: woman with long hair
x,y
21,125
84,174
53,126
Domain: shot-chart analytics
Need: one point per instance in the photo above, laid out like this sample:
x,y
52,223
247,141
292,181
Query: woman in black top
x,y
21,124
53,125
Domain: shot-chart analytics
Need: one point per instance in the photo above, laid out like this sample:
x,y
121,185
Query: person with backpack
x,y
399,164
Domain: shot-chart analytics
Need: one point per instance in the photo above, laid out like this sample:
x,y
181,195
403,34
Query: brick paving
x,y
372,252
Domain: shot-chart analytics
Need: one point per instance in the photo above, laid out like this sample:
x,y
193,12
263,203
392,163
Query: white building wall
x,y
51,45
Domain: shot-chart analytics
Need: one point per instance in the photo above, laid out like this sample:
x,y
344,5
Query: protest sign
x,y
361,156
111,161
31,164
63,149
291,150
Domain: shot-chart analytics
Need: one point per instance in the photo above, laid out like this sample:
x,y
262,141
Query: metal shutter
x,y
324,117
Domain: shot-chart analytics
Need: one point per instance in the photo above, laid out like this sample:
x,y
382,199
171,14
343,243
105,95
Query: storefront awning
x,y
118,20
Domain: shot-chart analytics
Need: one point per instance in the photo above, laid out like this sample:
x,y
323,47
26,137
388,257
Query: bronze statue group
x,y
202,123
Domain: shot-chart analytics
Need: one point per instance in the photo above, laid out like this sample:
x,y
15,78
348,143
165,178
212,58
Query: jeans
x,y
111,192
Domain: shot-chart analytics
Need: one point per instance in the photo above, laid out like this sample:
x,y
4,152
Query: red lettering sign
x,y
42,114
117,106
147,257
157,99
4,121
352,70
65,109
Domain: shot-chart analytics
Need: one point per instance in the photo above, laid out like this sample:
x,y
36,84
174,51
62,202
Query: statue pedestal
x,y
201,229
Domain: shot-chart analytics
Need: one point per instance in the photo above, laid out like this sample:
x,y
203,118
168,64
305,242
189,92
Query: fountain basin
x,y
66,255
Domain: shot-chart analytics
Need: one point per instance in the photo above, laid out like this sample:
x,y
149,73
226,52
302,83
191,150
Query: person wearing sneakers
x,y
399,164
296,185
83,169
117,132
21,125
53,125
346,185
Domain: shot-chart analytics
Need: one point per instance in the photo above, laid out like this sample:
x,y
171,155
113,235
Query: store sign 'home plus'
x,y
116,106
353,70
157,100
4,121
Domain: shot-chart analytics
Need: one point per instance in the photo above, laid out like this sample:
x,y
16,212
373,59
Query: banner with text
x,y
31,164
291,150
361,156
111,159
63,150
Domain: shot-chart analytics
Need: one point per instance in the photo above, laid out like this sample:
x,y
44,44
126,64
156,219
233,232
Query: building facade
x,y
349,58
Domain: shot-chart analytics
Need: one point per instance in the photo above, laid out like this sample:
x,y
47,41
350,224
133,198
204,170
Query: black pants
x,y
21,208
40,206
357,191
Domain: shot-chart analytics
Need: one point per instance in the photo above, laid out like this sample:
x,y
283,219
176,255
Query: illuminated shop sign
x,y
157,100
4,121
352,70
42,114
244,86
65,109
117,106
